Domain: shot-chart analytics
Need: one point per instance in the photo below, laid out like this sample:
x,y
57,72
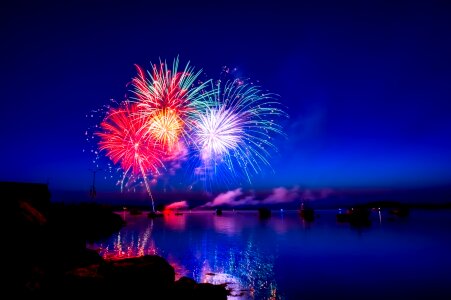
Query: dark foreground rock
x,y
48,258
131,276
136,277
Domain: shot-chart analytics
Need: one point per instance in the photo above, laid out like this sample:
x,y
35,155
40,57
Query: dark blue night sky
x,y
367,84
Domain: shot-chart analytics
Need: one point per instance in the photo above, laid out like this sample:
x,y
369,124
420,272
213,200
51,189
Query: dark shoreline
x,y
377,204
49,255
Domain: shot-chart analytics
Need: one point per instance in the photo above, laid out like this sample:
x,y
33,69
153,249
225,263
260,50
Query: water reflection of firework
x,y
125,246
174,222
248,271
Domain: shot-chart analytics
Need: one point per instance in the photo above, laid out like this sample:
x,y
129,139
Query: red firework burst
x,y
126,141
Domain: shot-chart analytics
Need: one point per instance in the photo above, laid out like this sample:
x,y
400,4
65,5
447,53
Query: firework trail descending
x,y
168,98
234,134
126,142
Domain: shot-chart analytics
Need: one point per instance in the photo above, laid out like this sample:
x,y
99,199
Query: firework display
x,y
236,131
172,117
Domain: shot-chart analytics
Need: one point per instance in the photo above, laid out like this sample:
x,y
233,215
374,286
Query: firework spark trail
x,y
237,130
125,142
168,98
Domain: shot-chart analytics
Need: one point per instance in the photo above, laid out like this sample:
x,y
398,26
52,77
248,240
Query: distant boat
x,y
264,213
342,216
219,212
401,211
155,214
358,216
307,213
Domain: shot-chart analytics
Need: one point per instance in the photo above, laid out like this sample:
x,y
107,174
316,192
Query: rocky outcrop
x,y
49,259
134,277
36,194
187,288
85,221
136,274
130,276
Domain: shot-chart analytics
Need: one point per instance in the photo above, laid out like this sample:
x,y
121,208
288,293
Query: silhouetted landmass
x,y
387,204
134,211
134,277
48,256
35,194
187,288
425,198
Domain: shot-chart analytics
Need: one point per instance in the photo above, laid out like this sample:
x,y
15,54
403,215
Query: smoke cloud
x,y
227,198
282,195
177,205
278,195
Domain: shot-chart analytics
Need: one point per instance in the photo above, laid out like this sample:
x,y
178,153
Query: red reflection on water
x,y
175,220
143,246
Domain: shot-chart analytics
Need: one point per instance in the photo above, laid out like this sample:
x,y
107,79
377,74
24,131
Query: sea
x,y
287,257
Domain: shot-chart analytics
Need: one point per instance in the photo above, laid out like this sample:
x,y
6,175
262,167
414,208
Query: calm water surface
x,y
287,258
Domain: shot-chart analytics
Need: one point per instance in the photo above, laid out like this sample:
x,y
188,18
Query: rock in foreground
x,y
50,260
138,276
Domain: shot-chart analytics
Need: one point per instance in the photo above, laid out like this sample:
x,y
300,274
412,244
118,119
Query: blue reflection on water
x,y
287,258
